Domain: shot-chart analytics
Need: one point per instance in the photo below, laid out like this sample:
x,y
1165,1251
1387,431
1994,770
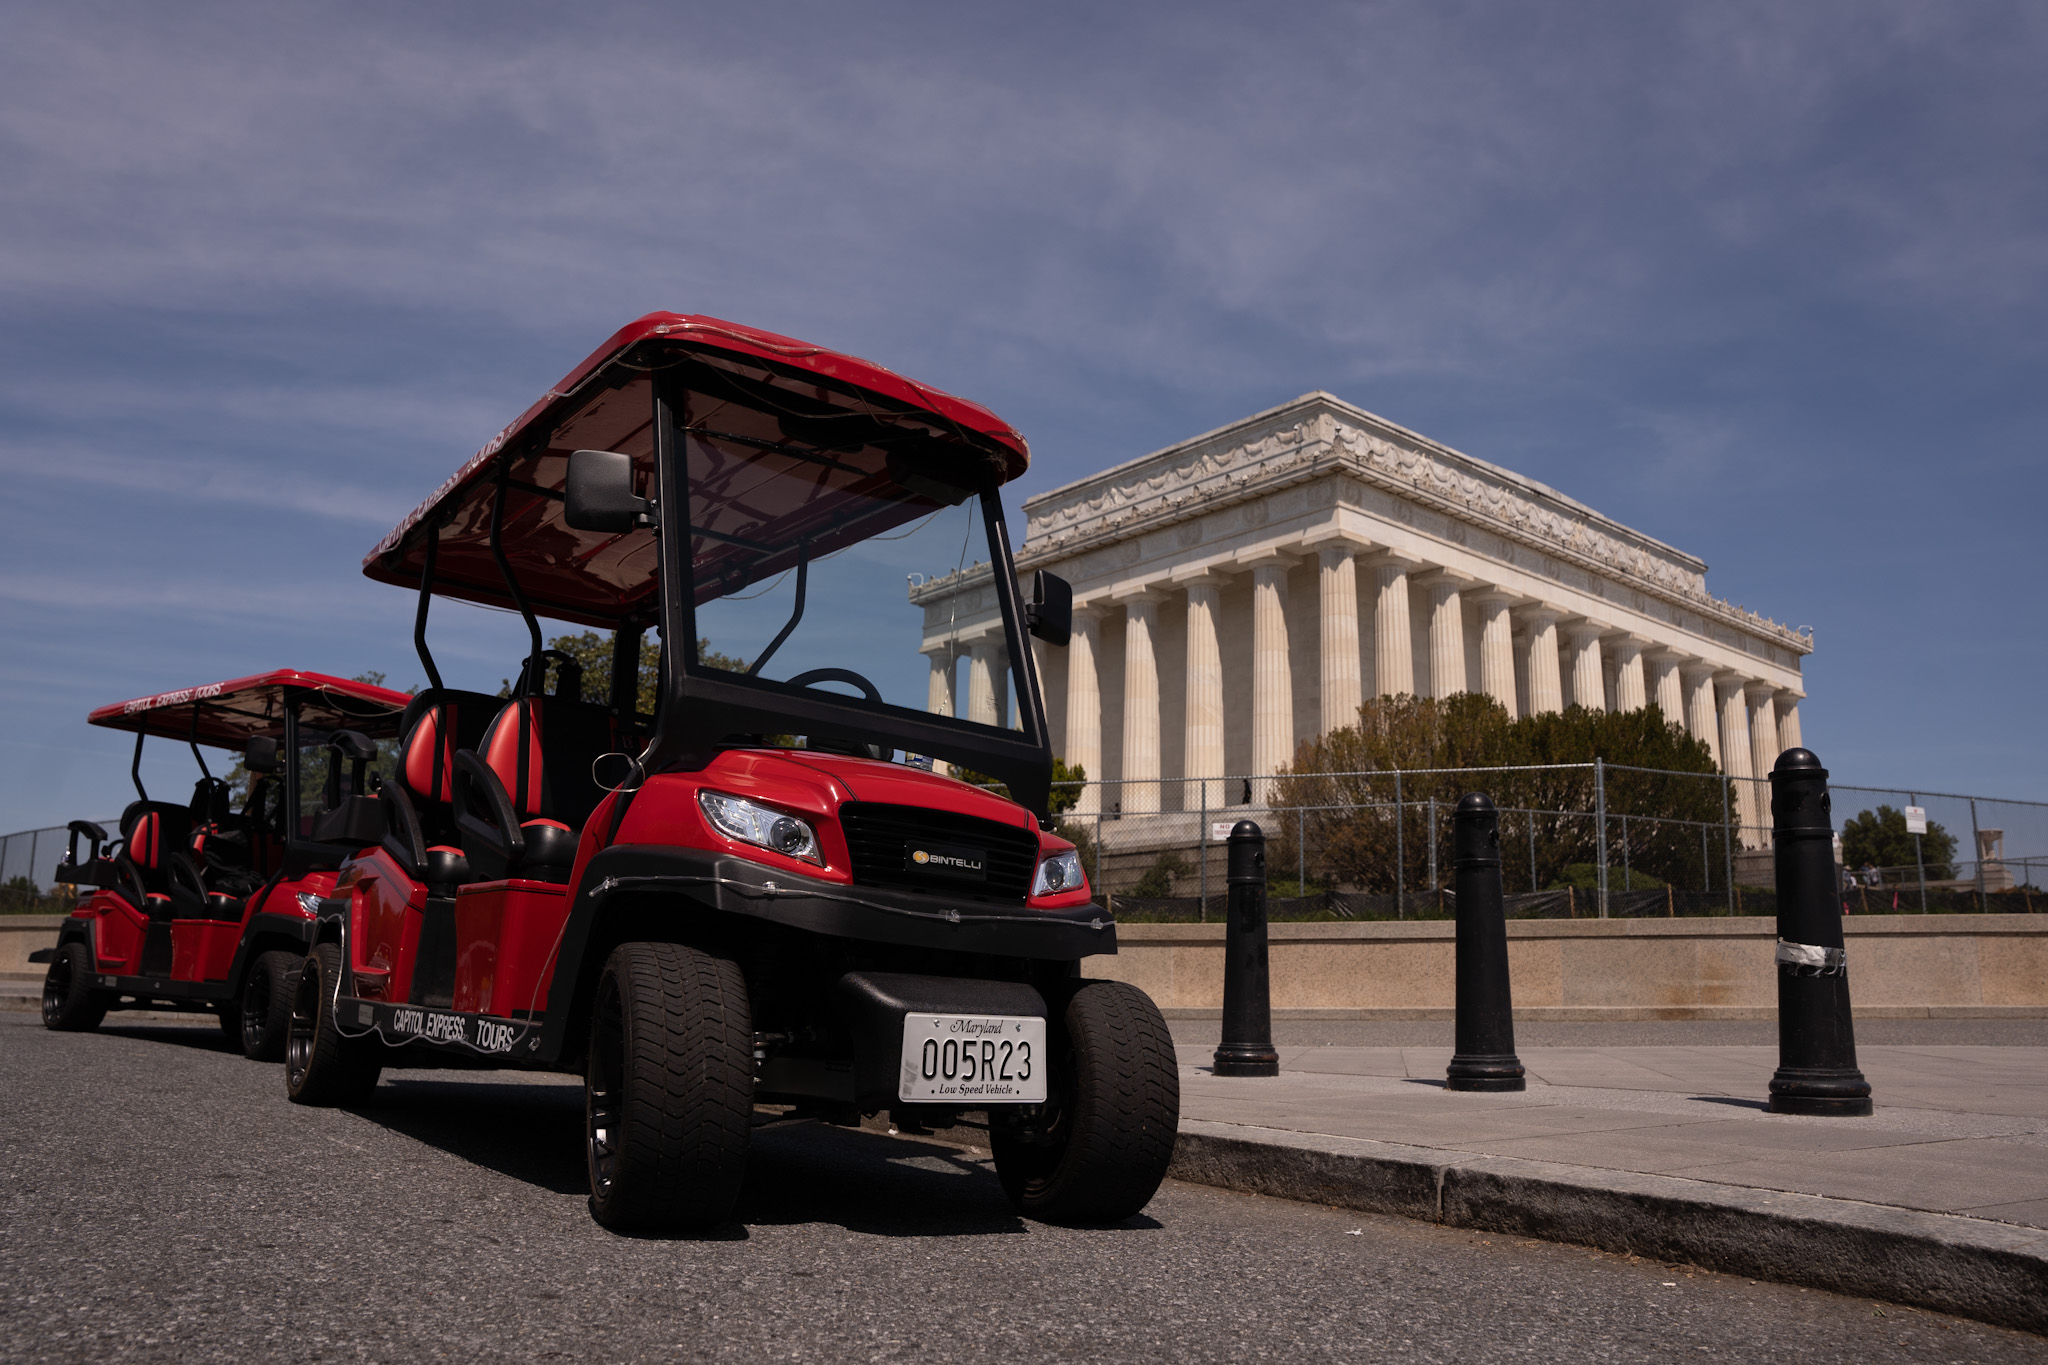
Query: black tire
x,y
1115,1092
71,1004
320,1065
669,1095
264,1018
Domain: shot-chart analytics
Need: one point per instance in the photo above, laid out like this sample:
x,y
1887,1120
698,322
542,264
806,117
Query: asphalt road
x,y
163,1201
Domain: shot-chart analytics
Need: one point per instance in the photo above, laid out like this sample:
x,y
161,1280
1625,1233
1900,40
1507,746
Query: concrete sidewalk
x,y
1940,1199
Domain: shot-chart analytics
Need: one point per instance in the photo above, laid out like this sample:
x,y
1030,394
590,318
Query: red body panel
x,y
386,923
203,949
505,938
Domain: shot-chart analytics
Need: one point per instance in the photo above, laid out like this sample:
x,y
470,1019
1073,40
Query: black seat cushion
x,y
550,850
445,867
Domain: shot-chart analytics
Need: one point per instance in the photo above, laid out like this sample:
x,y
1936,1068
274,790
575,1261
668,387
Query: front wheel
x,y
320,1065
70,1002
265,1017
669,1097
1101,1147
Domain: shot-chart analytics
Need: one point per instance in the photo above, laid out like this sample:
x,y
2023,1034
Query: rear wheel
x,y
1105,1140
265,1017
668,1100
71,1004
320,1065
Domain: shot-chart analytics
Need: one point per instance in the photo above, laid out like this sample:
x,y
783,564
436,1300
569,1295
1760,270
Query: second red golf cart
x,y
203,906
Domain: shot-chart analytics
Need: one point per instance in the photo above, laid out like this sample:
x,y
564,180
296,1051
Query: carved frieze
x,y
1320,437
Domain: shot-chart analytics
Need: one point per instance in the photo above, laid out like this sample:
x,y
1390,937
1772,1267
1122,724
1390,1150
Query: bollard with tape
x,y
1485,1057
1816,1041
1247,1045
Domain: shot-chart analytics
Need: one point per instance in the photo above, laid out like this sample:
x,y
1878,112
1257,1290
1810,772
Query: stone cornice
x,y
1318,435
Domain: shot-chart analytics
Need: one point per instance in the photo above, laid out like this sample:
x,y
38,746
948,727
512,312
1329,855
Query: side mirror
x,y
598,494
260,754
1050,613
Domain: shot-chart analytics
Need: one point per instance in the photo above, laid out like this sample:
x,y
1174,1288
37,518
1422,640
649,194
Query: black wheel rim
x,y
256,1010
601,1088
56,989
298,1047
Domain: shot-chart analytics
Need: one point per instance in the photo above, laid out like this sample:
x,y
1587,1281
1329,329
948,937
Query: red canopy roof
x,y
230,713
766,391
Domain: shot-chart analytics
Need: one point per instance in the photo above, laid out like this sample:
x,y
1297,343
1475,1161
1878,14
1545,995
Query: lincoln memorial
x,y
1246,590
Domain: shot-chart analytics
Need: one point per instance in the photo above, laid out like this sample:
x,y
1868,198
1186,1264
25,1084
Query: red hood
x,y
865,779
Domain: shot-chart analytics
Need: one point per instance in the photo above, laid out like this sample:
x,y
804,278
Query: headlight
x,y
1060,872
753,824
309,901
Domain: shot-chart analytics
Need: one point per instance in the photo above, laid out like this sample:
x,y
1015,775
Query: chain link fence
x,y
1590,840
26,861
1593,840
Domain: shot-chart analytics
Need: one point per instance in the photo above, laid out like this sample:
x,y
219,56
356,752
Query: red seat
x,y
533,768
156,836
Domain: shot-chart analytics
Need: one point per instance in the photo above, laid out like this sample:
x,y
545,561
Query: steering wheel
x,y
843,675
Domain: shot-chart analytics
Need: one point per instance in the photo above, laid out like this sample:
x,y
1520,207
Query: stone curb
x,y
1994,1272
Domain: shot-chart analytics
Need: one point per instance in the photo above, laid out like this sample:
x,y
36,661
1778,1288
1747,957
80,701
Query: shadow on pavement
x,y
530,1133
203,1037
797,1174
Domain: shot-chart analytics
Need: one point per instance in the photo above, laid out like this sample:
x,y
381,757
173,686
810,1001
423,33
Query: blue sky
x,y
1764,281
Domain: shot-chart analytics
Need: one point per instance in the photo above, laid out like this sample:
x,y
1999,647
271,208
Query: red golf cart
x,y
758,903
202,906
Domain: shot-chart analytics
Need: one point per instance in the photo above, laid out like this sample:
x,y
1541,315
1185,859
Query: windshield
x,y
809,563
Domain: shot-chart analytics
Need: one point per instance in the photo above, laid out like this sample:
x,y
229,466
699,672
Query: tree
x,y
1357,835
1879,839
1157,881
594,652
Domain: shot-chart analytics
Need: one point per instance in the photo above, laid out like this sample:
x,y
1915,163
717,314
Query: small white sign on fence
x,y
1219,830
1916,819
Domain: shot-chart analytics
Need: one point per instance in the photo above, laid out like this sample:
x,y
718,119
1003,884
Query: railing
x,y
1597,840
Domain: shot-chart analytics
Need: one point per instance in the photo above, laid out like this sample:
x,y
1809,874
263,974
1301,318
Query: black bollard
x,y
1485,1058
1816,1043
1247,1046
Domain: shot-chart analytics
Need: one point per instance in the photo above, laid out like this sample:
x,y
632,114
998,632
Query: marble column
x,y
986,693
1788,722
940,687
1763,753
1202,754
1546,688
1589,682
1497,650
1702,718
1140,786
1393,642
1272,676
1446,637
1665,688
1084,708
1630,692
938,696
1735,754
1343,681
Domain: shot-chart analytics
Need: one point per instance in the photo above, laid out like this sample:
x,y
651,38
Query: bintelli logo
x,y
954,860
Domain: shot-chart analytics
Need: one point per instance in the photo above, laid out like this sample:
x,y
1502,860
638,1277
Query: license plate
x,y
973,1059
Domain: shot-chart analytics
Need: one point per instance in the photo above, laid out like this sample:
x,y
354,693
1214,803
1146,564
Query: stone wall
x,y
1900,966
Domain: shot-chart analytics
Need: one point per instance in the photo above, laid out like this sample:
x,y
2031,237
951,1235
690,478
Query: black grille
x,y
882,838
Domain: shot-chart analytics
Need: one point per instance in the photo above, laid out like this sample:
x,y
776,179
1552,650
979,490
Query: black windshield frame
x,y
704,709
